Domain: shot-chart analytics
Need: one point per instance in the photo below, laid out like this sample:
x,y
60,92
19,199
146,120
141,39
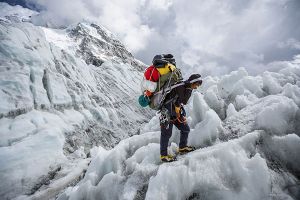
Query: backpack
x,y
166,84
152,74
161,60
161,75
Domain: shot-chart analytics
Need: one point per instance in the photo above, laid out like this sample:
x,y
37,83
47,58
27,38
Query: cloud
x,y
214,37
120,17
208,36
234,36
290,43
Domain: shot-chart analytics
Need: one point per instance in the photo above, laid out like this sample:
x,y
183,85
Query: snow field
x,y
231,110
271,84
277,115
224,171
293,92
286,148
49,96
124,168
30,140
260,112
207,131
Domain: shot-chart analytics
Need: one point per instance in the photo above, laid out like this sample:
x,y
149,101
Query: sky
x,y
210,37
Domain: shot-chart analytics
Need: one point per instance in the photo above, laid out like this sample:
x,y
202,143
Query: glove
x,y
180,117
181,120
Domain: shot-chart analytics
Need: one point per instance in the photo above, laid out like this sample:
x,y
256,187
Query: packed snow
x,y
71,127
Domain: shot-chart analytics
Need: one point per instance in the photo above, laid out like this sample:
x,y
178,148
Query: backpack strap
x,y
151,78
171,100
167,90
170,88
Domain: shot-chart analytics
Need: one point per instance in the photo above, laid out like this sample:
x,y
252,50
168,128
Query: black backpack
x,y
166,81
161,60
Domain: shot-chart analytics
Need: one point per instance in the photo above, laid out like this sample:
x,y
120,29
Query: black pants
x,y
166,133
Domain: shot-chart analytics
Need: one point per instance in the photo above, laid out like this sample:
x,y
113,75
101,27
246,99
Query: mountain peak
x,y
97,45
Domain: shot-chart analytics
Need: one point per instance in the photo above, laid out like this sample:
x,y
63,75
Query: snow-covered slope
x,y
247,133
62,92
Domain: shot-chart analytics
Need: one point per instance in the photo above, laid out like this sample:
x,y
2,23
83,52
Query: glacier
x,y
62,91
253,153
71,127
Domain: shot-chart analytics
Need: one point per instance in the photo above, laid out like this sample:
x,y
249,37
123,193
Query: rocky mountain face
x,y
62,92
93,49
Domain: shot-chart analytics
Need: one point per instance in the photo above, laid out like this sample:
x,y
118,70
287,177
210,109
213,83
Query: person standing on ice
x,y
173,113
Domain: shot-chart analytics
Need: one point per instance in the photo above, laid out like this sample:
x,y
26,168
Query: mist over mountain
x,y
211,37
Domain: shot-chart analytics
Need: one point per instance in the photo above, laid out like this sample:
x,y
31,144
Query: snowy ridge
x,y
246,130
62,92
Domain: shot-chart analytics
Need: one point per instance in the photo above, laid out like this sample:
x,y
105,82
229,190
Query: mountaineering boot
x,y
186,149
168,158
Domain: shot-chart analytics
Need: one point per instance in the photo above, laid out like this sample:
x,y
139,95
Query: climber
x,y
173,113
